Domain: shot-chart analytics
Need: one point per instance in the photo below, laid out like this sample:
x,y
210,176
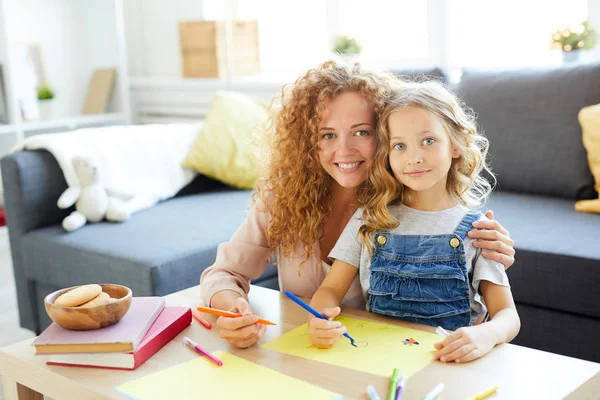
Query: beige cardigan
x,y
246,256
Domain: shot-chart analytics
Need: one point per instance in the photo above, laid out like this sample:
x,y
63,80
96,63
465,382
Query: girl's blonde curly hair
x,y
295,189
465,184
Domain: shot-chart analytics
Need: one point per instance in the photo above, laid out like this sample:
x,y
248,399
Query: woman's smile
x,y
349,167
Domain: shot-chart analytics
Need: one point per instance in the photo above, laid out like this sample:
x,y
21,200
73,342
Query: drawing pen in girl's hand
x,y
314,312
441,331
229,314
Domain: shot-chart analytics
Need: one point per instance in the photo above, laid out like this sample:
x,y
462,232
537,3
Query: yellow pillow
x,y
589,119
225,149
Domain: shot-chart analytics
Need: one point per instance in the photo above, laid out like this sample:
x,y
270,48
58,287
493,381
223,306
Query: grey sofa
x,y
530,117
536,152
158,251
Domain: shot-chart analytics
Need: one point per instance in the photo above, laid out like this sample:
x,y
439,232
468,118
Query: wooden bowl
x,y
87,318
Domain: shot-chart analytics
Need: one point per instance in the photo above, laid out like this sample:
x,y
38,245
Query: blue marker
x,y
372,393
314,312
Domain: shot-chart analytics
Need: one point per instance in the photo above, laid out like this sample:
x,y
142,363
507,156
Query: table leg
x,y
15,391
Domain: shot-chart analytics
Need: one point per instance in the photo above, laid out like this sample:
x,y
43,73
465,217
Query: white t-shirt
x,y
350,250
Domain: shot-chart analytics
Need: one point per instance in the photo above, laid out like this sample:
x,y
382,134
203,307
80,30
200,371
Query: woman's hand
x,y
494,240
325,333
242,332
465,344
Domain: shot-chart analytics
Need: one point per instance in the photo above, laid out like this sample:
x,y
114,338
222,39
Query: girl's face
x,y
346,139
421,152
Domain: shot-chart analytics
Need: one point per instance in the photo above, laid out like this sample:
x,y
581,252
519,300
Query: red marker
x,y
198,317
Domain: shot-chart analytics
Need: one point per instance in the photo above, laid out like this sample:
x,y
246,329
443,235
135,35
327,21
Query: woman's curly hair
x,y
296,189
466,185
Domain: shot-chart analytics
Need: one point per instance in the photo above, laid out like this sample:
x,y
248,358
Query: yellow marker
x,y
484,394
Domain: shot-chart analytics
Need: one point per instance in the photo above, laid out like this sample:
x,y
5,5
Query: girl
x,y
416,260
320,157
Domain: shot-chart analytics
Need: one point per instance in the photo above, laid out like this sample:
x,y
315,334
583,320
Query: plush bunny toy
x,y
93,202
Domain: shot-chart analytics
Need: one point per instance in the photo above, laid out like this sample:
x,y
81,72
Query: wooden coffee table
x,y
520,373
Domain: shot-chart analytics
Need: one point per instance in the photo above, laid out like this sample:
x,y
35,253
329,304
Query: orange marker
x,y
229,314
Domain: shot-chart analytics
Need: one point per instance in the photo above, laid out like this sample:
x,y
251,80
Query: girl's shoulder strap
x,y
466,224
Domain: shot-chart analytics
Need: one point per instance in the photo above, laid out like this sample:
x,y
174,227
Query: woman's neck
x,y
344,198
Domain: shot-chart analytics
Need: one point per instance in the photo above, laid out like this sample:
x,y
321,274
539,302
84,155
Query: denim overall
x,y
422,278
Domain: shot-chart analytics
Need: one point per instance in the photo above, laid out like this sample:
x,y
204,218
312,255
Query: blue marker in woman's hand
x,y
314,312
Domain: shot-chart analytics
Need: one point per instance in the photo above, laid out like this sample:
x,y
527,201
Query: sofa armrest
x,y
32,182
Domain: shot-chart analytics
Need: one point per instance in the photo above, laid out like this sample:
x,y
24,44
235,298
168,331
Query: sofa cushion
x,y
158,251
227,148
589,118
557,261
530,118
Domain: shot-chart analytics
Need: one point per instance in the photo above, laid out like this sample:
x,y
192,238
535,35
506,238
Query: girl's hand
x,y
465,344
324,333
494,240
242,332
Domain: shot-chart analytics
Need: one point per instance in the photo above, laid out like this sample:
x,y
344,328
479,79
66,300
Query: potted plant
x,y
572,39
45,94
346,47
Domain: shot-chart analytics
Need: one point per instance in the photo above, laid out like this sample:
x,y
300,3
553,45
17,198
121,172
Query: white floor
x,y
11,332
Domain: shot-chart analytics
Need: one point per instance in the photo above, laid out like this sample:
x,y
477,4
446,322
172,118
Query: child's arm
x,y
327,299
468,344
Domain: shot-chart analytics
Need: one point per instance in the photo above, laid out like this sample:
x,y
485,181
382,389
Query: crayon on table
x,y
485,394
393,385
400,389
434,394
193,345
199,318
372,393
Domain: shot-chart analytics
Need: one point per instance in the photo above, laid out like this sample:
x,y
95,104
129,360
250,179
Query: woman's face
x,y
347,139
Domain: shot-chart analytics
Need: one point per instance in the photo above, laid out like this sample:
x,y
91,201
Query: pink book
x,y
169,324
125,335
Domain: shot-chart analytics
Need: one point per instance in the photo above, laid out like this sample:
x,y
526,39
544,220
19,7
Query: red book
x,y
169,324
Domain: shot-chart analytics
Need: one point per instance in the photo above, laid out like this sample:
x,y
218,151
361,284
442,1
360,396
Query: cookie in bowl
x,y
87,307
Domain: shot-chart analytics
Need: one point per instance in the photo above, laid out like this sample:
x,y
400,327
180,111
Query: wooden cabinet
x,y
204,48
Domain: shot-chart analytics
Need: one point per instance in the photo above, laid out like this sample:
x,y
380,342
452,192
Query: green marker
x,y
393,385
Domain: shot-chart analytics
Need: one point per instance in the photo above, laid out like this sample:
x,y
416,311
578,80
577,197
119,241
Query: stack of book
x,y
145,329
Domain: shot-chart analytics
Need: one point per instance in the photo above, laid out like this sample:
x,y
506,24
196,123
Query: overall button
x,y
454,242
381,239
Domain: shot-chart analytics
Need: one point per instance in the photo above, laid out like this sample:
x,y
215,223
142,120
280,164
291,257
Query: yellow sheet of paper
x,y
236,379
382,347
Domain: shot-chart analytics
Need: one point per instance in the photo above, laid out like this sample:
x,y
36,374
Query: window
x,y
394,34
292,34
510,33
297,35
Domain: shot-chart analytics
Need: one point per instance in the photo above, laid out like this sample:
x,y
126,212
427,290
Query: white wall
x,y
102,50
153,35
76,36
